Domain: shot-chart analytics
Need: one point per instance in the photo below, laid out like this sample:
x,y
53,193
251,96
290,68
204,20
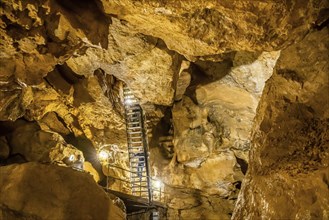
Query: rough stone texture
x,y
37,191
34,144
61,64
183,81
143,62
35,36
4,148
208,28
93,117
212,131
288,175
198,207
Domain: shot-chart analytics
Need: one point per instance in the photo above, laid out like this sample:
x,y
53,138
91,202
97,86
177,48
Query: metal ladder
x,y
137,146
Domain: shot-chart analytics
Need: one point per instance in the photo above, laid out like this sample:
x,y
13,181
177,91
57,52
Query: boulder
x,y
40,191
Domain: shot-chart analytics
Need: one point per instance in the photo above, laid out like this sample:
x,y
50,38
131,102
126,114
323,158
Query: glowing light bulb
x,y
128,101
157,184
71,157
103,155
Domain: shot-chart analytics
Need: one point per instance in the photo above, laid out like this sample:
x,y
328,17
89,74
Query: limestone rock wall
x,y
207,29
197,67
212,126
288,175
38,191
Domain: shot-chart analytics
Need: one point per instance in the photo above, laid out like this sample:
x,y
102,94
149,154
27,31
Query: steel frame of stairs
x,y
137,147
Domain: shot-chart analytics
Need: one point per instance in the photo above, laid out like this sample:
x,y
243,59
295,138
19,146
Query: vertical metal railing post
x,y
147,165
107,175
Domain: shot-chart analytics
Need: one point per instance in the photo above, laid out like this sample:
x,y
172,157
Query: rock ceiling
x,y
222,78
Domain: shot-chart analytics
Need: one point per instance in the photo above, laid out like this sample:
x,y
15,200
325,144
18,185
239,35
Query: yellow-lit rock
x,y
210,28
53,192
288,178
199,69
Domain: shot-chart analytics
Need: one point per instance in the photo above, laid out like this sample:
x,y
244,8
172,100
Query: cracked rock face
x,y
289,160
212,126
199,69
208,28
143,62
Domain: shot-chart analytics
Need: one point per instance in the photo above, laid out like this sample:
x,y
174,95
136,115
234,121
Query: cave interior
x,y
164,110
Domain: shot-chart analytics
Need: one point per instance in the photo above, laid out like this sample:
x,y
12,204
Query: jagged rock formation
x,y
288,175
212,125
207,29
197,67
39,191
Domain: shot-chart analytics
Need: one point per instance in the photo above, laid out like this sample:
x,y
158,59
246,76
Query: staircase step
x,y
134,119
132,154
132,163
131,128
133,123
135,142
134,113
133,107
134,157
141,162
136,137
136,148
137,157
134,133
137,132
128,112
134,183
130,118
127,91
128,95
136,180
135,126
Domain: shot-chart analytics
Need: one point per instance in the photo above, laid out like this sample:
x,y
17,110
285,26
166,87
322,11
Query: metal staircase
x,y
137,147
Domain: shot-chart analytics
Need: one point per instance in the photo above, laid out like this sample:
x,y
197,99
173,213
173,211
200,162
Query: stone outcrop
x,y
288,175
207,29
212,126
199,69
39,191
143,62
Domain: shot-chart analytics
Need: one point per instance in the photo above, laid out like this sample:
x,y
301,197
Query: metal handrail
x,y
153,189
